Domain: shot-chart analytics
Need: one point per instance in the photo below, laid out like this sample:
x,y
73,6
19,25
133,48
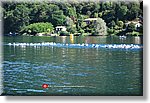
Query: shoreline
x,y
74,35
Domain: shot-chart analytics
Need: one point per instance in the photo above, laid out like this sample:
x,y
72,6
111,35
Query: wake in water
x,y
115,46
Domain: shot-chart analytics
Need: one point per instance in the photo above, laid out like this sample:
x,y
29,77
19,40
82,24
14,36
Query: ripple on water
x,y
16,62
66,83
26,90
118,73
34,90
80,74
130,88
21,92
20,82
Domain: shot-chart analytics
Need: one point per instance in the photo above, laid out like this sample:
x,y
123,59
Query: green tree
x,y
96,7
88,6
112,24
16,18
71,27
95,15
88,13
18,15
100,27
120,24
72,12
39,12
121,12
134,10
35,28
108,16
106,5
58,18
131,27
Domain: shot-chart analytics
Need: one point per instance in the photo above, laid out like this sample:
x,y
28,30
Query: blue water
x,y
72,69
108,46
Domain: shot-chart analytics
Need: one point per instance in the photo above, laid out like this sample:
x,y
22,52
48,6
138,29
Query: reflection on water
x,y
137,40
72,38
71,71
76,39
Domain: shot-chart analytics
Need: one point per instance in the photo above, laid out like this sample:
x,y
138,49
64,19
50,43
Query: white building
x,y
137,24
61,28
90,20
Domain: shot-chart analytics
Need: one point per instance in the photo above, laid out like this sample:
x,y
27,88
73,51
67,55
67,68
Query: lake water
x,y
72,71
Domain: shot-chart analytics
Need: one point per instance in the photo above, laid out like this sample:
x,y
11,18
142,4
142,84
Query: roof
x,y
90,19
60,27
134,22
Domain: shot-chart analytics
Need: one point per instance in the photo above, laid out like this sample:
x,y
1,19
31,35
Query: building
x,y
60,28
90,20
137,24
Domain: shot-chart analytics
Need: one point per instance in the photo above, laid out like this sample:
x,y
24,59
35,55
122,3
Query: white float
x,y
115,46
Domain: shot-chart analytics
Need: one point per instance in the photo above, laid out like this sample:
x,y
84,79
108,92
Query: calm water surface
x,y
72,71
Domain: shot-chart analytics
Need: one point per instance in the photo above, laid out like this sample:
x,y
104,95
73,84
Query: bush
x,y
35,28
100,27
81,31
141,29
120,24
131,27
134,33
110,31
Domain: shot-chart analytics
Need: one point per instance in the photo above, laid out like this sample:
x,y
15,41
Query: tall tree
x,y
16,18
134,10
100,27
70,25
58,18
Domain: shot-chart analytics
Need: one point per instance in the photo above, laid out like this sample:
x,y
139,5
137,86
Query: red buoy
x,y
45,86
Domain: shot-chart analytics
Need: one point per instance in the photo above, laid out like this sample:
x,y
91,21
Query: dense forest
x,y
119,17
